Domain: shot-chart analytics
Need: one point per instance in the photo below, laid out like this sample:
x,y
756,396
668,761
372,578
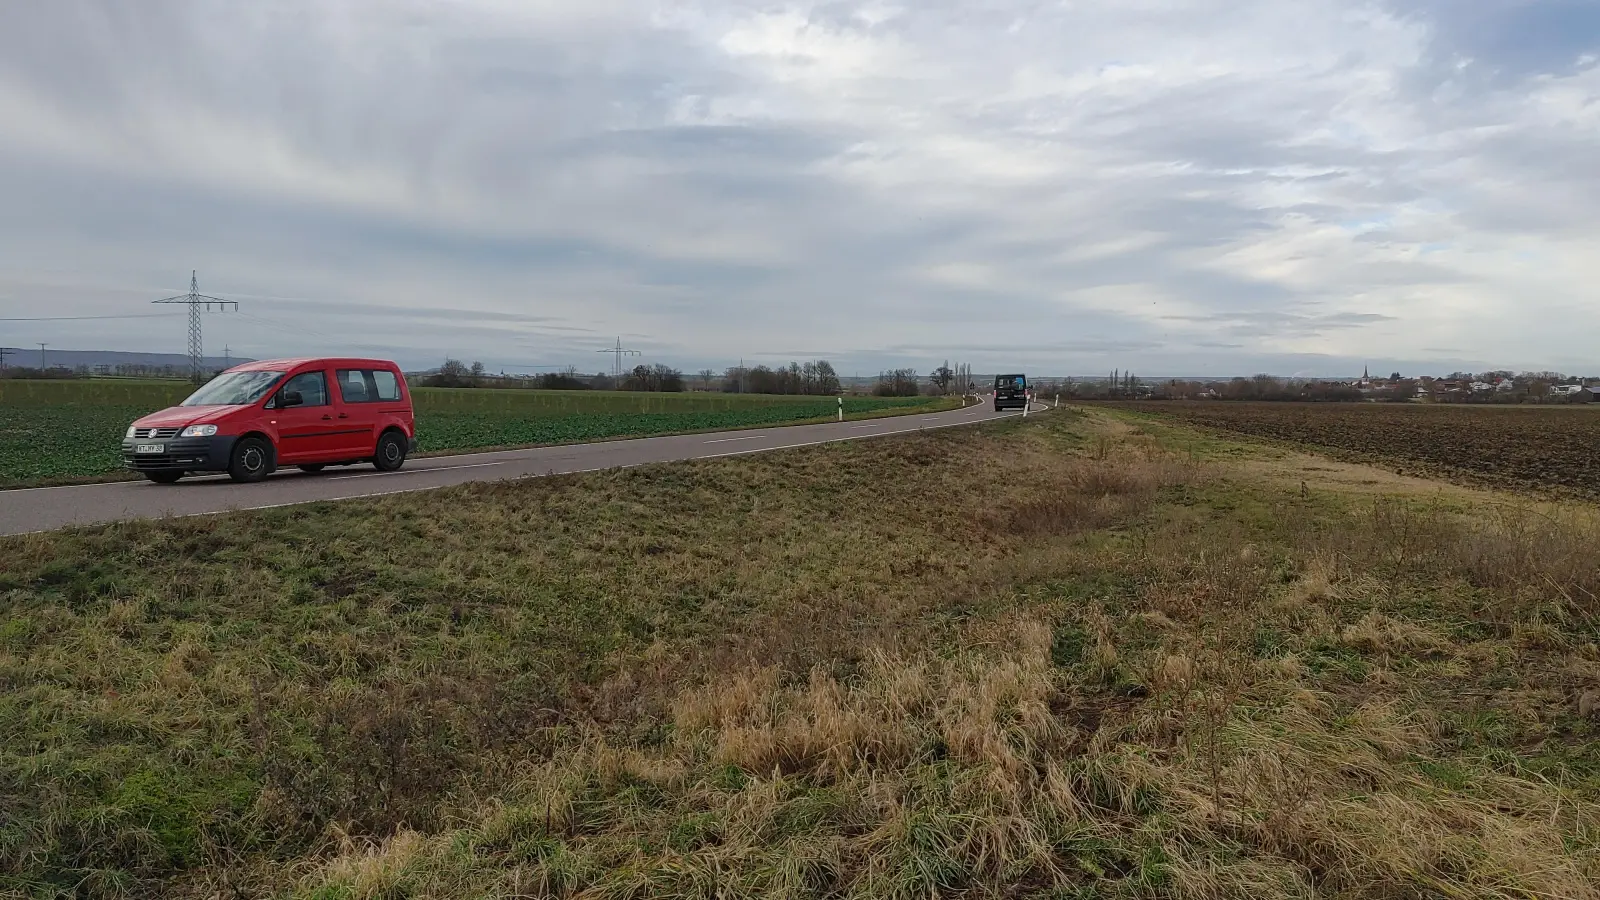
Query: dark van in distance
x,y
310,413
1010,392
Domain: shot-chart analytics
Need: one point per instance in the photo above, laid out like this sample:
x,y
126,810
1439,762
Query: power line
x,y
195,299
520,366
86,318
296,330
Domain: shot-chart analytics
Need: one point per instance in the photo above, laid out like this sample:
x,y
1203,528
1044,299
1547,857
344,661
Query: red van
x,y
309,413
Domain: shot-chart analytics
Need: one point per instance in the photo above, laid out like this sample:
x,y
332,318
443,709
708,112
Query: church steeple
x,y
1364,375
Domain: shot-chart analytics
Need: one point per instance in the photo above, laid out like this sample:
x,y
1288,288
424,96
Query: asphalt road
x,y
44,509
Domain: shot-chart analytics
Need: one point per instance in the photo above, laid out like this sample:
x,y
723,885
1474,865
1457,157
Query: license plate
x,y
150,448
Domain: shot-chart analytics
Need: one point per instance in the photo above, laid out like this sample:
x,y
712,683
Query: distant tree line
x,y
456,374
1266,387
653,378
565,381
947,380
60,372
122,370
898,383
815,378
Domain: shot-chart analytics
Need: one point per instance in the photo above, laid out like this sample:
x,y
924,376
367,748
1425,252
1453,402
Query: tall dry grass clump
x,y
993,772
1081,495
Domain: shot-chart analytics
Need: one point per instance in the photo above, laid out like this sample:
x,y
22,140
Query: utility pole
x,y
195,300
41,356
619,353
227,358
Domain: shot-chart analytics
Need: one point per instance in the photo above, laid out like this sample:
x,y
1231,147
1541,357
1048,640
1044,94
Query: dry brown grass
x,y
1116,674
1082,495
934,774
1252,695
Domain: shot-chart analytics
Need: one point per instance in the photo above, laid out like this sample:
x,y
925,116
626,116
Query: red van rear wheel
x,y
251,460
391,452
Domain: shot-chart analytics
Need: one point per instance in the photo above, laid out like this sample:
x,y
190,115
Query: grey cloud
x,y
1027,347
520,179
1257,323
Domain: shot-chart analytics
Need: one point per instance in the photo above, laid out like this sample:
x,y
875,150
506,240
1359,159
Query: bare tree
x,y
653,378
454,373
897,383
813,378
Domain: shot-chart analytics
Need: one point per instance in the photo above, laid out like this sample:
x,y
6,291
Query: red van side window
x,y
368,386
312,387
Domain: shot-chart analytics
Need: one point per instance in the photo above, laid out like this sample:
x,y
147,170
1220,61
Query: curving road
x,y
42,509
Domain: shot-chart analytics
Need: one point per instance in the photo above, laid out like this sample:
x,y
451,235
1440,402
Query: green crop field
x,y
448,430
59,431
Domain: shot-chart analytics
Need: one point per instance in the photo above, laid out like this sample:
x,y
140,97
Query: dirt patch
x,y
1546,450
1247,459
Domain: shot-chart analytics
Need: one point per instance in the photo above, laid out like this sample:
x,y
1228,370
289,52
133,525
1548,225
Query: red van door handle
x,y
327,418
344,415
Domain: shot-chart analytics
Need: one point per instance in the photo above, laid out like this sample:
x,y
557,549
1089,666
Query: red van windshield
x,y
234,389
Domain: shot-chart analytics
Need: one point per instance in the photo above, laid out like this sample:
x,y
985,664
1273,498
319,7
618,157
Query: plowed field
x,y
1527,447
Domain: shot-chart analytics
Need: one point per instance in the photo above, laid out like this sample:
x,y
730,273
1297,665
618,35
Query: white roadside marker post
x,y
841,409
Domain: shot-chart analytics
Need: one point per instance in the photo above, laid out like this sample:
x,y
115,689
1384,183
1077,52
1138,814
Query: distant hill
x,y
72,359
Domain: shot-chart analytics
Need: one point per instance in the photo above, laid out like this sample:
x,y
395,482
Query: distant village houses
x,y
1458,387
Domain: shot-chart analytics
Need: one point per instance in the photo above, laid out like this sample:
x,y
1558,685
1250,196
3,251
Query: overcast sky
x,y
1167,186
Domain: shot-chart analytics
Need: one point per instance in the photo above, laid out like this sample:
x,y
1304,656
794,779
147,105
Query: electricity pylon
x,y
619,352
195,299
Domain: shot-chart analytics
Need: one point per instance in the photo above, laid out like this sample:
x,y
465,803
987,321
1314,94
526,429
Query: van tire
x,y
390,454
251,460
168,476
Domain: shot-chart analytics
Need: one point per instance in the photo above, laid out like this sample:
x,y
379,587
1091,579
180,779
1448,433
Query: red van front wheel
x,y
251,460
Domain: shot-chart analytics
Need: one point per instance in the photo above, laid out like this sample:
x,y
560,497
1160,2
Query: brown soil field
x,y
1540,448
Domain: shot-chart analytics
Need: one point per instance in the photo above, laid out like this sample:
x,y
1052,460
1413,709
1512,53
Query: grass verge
x,y
875,670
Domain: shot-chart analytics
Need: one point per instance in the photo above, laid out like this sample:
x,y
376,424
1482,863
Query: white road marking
x,y
823,441
726,440
413,471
